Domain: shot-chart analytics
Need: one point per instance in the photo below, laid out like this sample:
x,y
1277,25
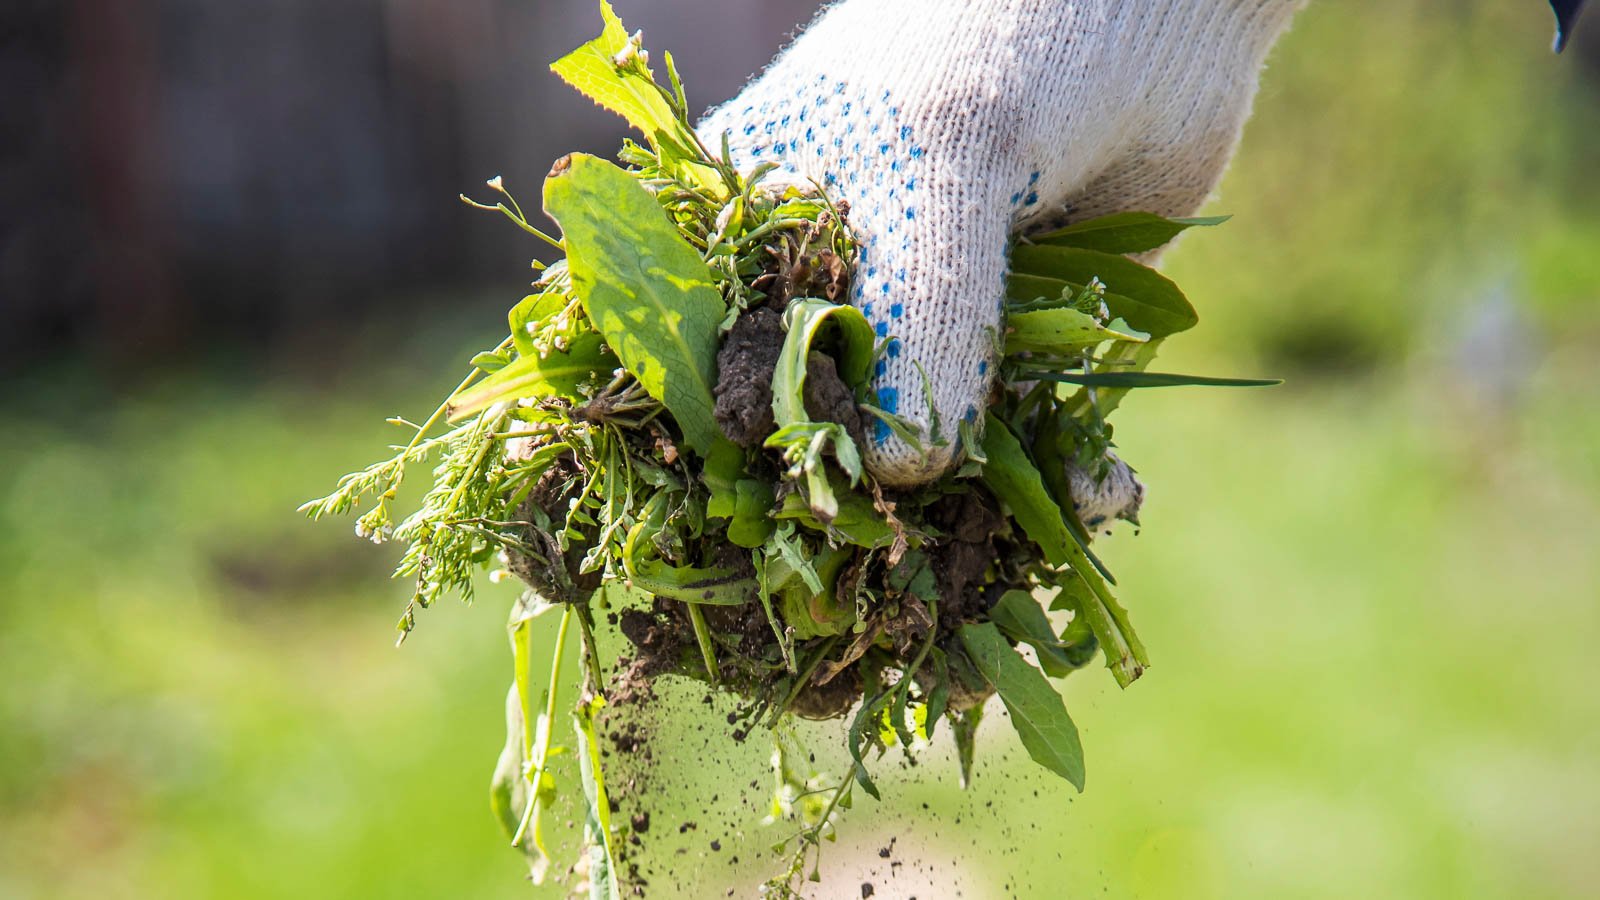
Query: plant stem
x,y
702,635
542,742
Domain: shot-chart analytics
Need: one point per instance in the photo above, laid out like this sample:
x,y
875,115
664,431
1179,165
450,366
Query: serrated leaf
x,y
1037,712
556,374
1141,295
644,288
870,712
1127,232
1094,603
631,92
1023,619
1064,330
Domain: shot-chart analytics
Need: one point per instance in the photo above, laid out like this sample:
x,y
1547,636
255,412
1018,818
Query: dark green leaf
x,y
868,715
724,468
1127,232
1141,295
938,698
645,289
1037,712
1022,619
1016,481
1148,380
965,726
752,513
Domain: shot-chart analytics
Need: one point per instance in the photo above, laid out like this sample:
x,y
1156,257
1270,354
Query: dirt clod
x,y
829,399
744,377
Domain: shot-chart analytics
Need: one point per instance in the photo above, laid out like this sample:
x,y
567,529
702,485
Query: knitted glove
x,y
949,125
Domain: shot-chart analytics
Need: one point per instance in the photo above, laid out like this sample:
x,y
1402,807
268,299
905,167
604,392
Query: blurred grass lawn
x,y
1371,594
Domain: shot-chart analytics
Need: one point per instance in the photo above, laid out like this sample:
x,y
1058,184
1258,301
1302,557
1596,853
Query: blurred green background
x,y
1372,595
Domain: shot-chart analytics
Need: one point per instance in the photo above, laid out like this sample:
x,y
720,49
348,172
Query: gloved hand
x,y
949,125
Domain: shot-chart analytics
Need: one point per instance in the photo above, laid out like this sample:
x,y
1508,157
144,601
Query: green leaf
x,y
1148,380
1087,595
870,713
1051,447
645,289
803,320
856,521
597,819
752,513
1037,713
1017,482
965,726
724,468
688,584
1022,619
820,613
557,374
490,361
1141,295
1127,232
630,90
802,440
1062,330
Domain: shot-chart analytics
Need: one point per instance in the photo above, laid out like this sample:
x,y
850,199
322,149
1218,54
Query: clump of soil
x,y
829,399
744,377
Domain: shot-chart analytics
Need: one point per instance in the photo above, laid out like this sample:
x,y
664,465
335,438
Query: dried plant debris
x,y
668,456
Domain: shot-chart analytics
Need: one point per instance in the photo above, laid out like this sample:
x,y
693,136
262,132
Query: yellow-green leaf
x,y
556,374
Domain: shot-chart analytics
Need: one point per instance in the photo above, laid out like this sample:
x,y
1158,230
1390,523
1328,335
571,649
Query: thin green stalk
x,y
702,636
543,740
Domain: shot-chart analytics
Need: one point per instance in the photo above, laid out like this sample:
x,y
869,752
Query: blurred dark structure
x,y
178,172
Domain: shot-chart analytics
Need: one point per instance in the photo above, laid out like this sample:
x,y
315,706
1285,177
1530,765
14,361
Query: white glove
x,y
949,125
